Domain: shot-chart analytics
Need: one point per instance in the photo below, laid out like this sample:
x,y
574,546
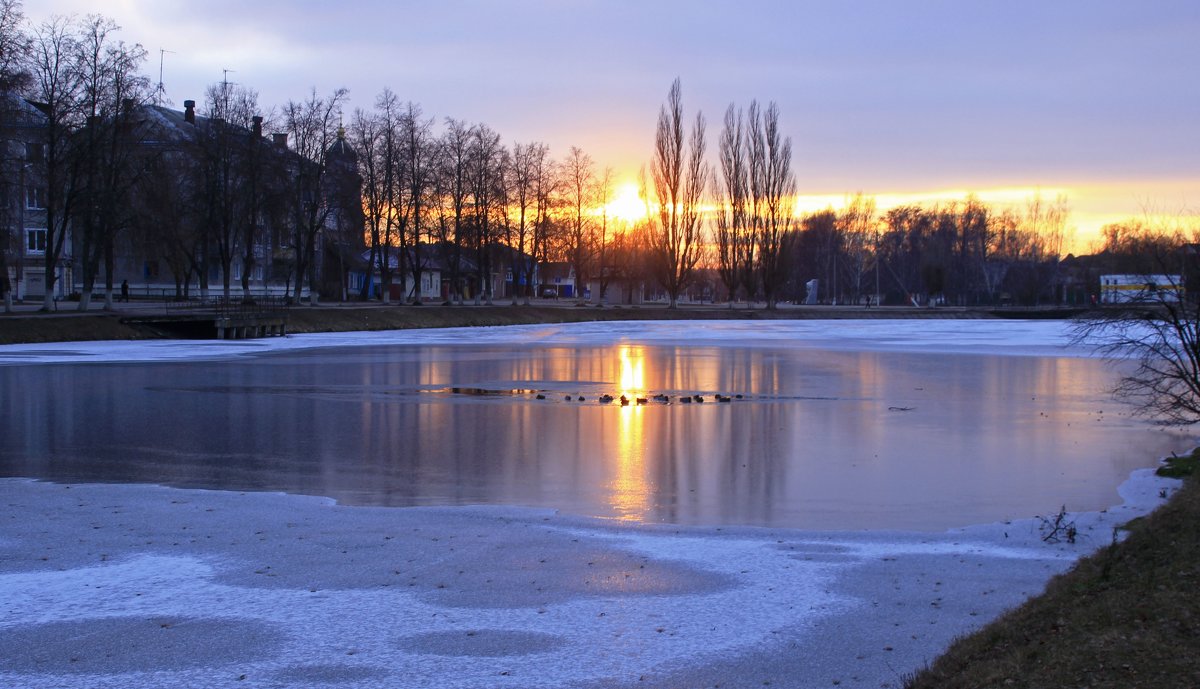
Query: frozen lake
x,y
841,425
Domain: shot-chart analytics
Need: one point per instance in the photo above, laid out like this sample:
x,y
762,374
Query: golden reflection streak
x,y
629,491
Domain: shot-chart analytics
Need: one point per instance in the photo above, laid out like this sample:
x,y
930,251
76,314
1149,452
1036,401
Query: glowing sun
x,y
627,206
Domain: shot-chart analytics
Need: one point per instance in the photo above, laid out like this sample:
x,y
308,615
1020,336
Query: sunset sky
x,y
910,101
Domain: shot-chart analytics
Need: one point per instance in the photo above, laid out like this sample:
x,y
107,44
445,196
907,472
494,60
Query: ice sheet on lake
x,y
1004,337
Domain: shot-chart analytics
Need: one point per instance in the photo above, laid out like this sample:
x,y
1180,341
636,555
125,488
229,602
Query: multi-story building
x,y
23,197
197,203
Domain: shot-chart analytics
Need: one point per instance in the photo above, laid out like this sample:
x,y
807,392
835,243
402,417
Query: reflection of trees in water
x,y
813,436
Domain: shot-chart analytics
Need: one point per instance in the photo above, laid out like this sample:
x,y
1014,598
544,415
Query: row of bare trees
x,y
754,217
86,82
965,252
461,193
97,165
455,193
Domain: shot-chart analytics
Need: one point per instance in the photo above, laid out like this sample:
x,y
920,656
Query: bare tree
x,y
545,190
419,162
456,160
518,228
487,165
604,192
734,237
111,87
856,223
56,85
312,127
773,191
1159,333
679,178
227,194
165,223
14,47
391,181
14,76
262,169
579,177
366,141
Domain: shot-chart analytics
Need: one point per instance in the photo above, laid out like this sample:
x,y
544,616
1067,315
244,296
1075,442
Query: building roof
x,y
341,150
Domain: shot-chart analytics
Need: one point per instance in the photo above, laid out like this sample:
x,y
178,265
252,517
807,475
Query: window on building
x,y
35,152
35,198
35,241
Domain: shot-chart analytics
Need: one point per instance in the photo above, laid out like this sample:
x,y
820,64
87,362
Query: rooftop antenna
x,y
160,92
225,84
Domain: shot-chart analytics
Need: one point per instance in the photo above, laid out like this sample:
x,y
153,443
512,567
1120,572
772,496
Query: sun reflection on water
x,y
629,491
633,371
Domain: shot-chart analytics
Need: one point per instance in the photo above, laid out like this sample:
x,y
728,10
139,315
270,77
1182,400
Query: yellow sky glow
x,y
1091,206
627,205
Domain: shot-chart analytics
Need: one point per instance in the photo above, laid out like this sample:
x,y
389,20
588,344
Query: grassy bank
x,y
1127,616
66,328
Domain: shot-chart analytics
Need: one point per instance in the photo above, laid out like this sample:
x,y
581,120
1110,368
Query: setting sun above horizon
x,y
628,205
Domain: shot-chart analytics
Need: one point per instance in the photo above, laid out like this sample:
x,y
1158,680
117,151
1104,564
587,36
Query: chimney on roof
x,y
189,111
280,139
256,127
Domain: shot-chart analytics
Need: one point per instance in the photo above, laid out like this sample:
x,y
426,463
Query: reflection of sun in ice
x,y
629,489
633,374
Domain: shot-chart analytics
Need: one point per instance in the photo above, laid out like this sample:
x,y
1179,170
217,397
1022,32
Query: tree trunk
x,y
314,292
108,273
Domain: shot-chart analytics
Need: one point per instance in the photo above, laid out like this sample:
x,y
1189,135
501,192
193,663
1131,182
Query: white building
x,y
1125,289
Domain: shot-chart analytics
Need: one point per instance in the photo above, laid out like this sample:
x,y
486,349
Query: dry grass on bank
x,y
1128,616
35,328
